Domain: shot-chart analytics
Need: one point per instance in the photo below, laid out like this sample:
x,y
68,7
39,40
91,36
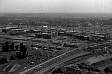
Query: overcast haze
x,y
56,6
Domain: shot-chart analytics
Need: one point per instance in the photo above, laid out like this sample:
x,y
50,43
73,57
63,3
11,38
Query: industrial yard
x,y
57,46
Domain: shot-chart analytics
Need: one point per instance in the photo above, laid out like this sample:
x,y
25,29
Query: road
x,y
47,65
39,69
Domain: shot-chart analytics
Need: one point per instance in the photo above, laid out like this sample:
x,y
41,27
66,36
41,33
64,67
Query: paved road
x,y
39,69
76,60
61,61
43,67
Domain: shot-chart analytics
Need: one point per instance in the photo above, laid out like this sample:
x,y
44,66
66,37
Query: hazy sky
x,y
58,6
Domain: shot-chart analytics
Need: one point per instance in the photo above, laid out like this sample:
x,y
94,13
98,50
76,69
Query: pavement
x,y
47,65
41,68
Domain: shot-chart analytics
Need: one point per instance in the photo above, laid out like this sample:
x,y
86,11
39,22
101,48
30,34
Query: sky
x,y
55,6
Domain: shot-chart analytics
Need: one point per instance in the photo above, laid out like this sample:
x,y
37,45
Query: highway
x,y
41,68
47,65
76,60
61,61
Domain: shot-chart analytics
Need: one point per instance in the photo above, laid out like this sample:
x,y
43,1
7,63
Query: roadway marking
x,y
58,57
50,60
43,63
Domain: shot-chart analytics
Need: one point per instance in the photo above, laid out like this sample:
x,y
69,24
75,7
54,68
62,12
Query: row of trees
x,y
21,50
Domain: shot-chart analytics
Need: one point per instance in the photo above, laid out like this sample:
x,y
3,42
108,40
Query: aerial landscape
x,y
55,42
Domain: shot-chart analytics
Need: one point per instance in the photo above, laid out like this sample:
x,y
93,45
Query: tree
x,y
3,60
5,47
